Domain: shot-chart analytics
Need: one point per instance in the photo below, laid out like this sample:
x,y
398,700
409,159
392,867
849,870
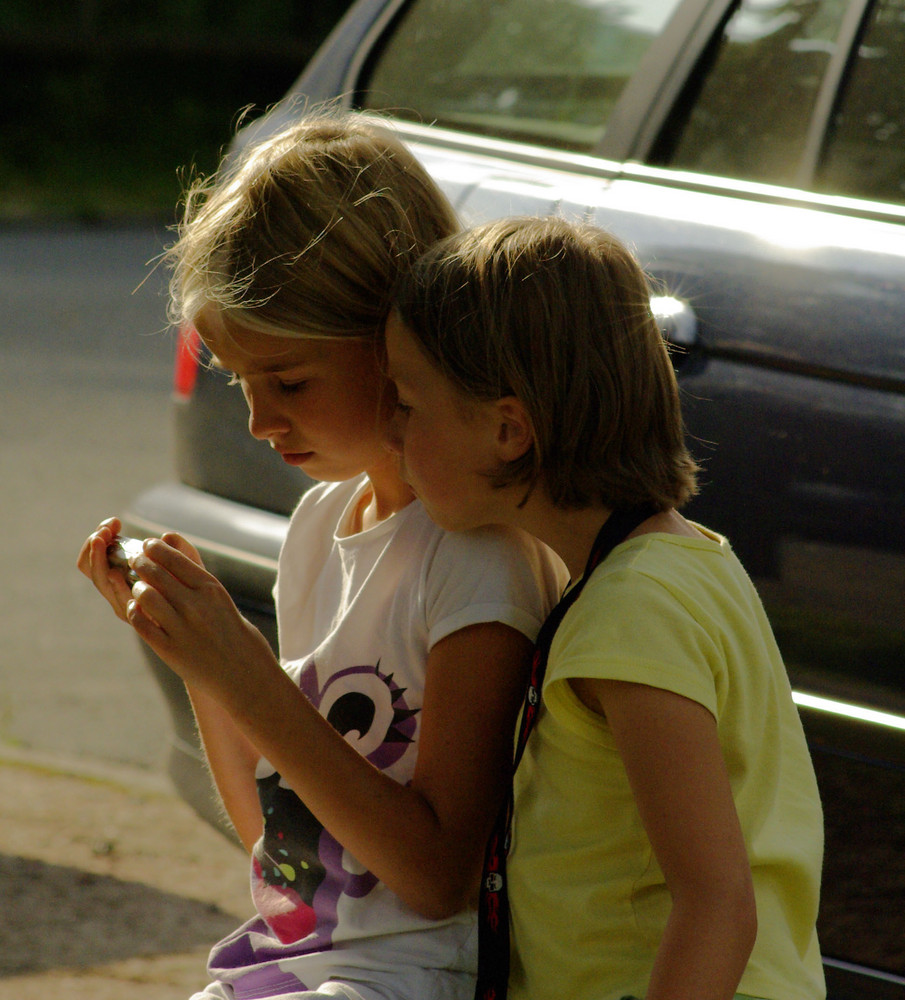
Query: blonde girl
x,y
363,771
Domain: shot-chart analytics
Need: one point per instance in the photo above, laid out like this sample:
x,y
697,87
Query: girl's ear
x,y
515,433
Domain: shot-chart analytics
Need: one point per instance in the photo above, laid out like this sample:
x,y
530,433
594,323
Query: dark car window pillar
x,y
751,116
864,153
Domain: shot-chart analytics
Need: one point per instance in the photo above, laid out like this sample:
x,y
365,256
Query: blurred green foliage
x,y
104,105
238,18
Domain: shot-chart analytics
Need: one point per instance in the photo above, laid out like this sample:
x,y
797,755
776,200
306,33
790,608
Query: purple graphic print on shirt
x,y
298,870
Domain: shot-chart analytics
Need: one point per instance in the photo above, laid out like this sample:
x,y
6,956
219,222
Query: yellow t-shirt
x,y
588,898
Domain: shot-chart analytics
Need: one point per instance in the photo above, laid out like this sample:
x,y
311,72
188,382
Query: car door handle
x,y
676,319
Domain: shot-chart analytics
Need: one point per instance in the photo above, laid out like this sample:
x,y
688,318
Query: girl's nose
x,y
265,419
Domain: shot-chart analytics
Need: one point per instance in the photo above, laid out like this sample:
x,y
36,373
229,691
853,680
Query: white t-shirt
x,y
357,616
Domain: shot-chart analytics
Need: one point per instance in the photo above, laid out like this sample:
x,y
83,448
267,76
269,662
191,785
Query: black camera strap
x,y
493,907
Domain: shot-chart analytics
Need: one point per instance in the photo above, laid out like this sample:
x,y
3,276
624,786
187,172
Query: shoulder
x,y
660,560
489,574
640,618
492,537
488,545
662,598
509,549
330,494
655,590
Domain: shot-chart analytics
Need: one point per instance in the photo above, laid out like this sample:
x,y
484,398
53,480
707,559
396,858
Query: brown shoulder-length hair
x,y
558,315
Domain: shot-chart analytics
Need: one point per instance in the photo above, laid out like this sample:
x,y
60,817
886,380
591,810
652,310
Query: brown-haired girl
x,y
667,835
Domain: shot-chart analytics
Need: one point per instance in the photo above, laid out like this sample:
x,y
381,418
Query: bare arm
x,y
674,762
424,840
232,759
230,755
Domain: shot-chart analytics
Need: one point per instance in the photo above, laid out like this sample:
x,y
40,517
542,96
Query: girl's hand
x,y
110,581
187,617
92,561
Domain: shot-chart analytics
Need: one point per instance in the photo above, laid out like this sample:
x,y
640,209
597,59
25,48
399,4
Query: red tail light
x,y
185,369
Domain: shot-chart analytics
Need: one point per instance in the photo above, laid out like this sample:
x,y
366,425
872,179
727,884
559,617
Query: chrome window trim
x,y
509,152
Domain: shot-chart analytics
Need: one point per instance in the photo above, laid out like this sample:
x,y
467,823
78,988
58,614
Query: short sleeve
x,y
627,626
491,574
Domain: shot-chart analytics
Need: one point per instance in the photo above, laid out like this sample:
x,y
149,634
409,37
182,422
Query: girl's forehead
x,y
235,346
405,359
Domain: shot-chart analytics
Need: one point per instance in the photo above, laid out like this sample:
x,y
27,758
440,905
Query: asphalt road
x,y
84,424
110,886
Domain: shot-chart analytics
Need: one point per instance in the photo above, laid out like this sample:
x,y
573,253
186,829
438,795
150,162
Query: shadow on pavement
x,y
56,916
111,888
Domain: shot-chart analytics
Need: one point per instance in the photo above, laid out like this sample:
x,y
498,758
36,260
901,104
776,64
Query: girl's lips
x,y
296,457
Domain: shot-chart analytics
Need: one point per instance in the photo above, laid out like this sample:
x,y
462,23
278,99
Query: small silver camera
x,y
120,551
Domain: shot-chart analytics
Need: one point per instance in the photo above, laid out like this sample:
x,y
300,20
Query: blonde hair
x,y
558,315
307,232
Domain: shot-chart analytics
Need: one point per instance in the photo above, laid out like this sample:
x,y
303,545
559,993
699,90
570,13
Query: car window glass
x,y
865,153
544,71
751,115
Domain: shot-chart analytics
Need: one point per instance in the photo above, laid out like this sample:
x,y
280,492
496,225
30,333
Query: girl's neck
x,y
570,533
388,493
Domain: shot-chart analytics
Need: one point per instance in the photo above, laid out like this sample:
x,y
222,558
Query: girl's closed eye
x,y
292,386
288,386
403,407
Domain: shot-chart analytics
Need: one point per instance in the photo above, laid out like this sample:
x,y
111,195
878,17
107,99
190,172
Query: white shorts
x,y
406,983
329,991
